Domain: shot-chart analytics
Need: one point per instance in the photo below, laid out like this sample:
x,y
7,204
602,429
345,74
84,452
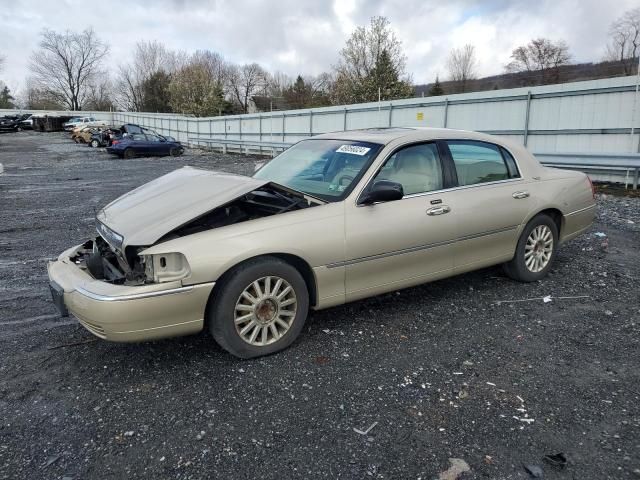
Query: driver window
x,y
417,168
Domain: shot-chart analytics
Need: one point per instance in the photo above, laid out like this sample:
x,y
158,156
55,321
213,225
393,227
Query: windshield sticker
x,y
353,149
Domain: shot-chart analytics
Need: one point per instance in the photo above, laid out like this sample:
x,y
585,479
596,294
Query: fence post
x,y
225,130
526,118
390,113
283,125
311,123
446,112
240,129
344,120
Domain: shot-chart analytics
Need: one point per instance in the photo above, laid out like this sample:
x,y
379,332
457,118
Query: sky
x,y
305,36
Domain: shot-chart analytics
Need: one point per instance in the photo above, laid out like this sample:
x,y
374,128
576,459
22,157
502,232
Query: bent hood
x,y
149,212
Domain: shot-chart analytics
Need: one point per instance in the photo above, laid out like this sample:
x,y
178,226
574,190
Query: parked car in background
x,y
83,121
335,218
12,123
77,132
145,145
27,123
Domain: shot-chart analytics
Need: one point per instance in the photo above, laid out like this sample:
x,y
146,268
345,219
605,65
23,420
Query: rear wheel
x,y
536,250
128,153
258,308
95,143
175,151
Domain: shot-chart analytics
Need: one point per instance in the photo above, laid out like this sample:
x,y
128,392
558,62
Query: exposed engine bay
x,y
107,262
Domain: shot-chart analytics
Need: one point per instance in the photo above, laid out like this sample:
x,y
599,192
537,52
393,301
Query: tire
x,y
94,143
175,151
228,306
128,153
75,139
533,259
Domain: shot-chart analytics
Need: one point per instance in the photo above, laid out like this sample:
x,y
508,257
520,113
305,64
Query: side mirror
x,y
382,191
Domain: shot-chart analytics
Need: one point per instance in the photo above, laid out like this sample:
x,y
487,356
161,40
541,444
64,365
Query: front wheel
x,y
536,250
258,308
129,153
95,143
175,151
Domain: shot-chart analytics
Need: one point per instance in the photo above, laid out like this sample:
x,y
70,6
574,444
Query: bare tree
x,y
361,56
277,84
462,65
245,81
624,41
66,64
148,59
540,55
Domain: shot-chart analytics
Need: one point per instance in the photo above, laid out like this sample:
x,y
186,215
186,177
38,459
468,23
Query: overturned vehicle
x,y
335,218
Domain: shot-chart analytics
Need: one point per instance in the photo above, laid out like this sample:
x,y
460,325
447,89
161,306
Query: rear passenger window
x,y
478,162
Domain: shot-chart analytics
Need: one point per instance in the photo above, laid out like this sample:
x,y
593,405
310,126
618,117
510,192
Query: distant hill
x,y
564,74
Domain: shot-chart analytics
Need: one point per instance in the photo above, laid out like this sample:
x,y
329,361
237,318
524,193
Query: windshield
x,y
327,169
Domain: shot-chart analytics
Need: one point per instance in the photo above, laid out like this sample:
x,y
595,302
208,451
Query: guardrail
x,y
612,163
243,145
601,162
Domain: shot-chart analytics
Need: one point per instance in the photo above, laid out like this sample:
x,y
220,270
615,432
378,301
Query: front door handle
x,y
440,210
521,194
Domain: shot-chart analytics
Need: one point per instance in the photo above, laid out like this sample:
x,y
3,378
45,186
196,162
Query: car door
x,y
153,145
491,203
404,242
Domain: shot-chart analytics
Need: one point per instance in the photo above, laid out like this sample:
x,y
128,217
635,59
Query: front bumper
x,y
128,313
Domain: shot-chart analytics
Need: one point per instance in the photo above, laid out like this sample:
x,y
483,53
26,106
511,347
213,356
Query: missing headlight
x,y
165,267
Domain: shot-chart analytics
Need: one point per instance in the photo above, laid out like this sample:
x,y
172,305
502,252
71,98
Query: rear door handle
x,y
440,210
521,194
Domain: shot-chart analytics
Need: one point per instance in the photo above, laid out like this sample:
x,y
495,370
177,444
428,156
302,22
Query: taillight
x,y
114,142
593,189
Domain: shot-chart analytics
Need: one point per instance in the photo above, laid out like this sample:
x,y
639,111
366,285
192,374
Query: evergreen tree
x,y
436,88
156,93
6,99
384,80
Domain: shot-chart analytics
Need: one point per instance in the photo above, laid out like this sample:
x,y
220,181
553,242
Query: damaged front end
x,y
108,258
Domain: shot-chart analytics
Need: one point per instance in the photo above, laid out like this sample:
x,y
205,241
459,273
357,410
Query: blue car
x,y
145,145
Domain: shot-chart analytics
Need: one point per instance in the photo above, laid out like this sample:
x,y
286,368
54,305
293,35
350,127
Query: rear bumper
x,y
129,313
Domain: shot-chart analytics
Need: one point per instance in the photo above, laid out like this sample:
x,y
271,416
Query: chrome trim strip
x,y
581,210
427,246
135,296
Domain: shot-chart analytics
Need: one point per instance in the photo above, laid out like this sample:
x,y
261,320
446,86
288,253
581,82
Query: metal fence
x,y
593,117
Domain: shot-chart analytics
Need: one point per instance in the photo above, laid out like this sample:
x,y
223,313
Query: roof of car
x,y
387,135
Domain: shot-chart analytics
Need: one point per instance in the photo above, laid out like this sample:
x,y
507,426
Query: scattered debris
x,y
365,432
488,459
557,460
534,470
600,234
546,299
130,433
82,342
457,468
492,384
51,460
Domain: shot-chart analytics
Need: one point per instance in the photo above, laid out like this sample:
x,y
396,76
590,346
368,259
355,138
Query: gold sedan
x,y
335,218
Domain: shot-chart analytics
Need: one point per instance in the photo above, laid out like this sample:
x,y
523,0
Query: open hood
x,y
154,209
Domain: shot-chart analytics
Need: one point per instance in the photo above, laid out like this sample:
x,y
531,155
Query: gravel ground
x,y
449,370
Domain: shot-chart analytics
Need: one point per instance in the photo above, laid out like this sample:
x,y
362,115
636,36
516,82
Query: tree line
x,y
68,71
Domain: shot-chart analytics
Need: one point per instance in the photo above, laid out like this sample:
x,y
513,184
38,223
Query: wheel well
x,y
298,263
556,216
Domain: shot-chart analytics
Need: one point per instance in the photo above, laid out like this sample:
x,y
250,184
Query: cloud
x,y
305,36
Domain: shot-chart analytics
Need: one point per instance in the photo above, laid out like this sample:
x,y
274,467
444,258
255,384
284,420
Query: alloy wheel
x,y
538,249
265,310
